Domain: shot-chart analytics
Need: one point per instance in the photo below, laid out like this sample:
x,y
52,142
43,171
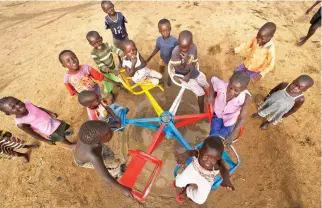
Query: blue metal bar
x,y
177,136
143,120
146,125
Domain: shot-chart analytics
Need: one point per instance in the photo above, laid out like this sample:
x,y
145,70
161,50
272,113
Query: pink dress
x,y
39,120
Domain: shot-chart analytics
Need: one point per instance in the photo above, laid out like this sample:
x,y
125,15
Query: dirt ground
x,y
280,167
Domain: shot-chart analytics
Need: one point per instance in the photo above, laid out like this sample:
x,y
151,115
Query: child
x,y
116,22
98,109
38,122
261,58
230,106
315,23
9,144
283,100
80,77
135,65
91,152
184,58
165,44
102,55
207,163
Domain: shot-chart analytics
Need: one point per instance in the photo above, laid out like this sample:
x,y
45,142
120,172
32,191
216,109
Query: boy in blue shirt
x,y
115,21
165,44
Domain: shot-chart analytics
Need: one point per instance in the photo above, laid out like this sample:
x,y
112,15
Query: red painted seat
x,y
134,168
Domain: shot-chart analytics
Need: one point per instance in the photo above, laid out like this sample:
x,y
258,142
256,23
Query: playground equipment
x,y
145,87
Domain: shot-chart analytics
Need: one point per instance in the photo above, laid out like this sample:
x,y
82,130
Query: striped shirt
x,y
260,59
8,144
104,58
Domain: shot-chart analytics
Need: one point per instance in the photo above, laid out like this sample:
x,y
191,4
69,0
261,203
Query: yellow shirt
x,y
259,59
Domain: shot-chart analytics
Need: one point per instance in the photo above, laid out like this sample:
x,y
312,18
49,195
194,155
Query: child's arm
x,y
280,86
241,47
111,112
100,77
298,104
242,117
98,163
155,51
310,9
225,176
71,89
270,63
100,64
131,71
27,128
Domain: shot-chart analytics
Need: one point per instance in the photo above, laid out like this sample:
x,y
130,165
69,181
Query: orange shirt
x,y
259,59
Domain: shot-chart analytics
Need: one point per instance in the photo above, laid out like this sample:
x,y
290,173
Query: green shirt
x,y
104,58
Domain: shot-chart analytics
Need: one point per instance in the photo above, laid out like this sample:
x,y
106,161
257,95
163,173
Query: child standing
x,y
91,152
97,109
207,163
184,58
80,77
230,106
9,144
135,65
103,57
283,100
115,21
261,58
38,122
165,44
315,23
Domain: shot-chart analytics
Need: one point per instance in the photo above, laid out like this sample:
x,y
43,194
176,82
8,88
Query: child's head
x,y
69,60
129,48
211,152
89,99
266,33
238,82
164,28
301,84
185,41
13,106
108,8
94,39
95,132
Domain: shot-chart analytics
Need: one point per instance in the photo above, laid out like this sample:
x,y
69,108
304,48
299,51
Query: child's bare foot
x,y
255,115
27,157
302,41
264,125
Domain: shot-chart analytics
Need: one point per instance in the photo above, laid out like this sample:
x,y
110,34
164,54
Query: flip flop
x,y
179,197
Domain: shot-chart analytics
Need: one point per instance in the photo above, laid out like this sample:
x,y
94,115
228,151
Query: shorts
x,y
108,86
316,19
118,43
197,84
147,74
59,134
243,68
217,127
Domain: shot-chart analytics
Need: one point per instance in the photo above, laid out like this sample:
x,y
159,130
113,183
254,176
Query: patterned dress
x,y
9,144
277,105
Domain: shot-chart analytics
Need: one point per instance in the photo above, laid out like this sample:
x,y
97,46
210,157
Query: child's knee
x,y
179,182
199,196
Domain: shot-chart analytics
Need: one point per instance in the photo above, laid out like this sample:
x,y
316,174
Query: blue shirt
x,y
166,47
117,27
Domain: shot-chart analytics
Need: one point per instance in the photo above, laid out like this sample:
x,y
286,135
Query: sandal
x,y
179,198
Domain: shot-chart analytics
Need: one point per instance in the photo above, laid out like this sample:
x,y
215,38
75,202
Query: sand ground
x,y
280,166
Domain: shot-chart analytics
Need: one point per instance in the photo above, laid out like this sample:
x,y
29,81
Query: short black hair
x,y
270,27
163,21
214,142
240,77
306,79
90,131
85,97
4,101
104,3
125,43
62,53
92,34
186,35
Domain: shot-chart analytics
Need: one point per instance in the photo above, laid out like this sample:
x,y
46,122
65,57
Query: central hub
x,y
166,117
